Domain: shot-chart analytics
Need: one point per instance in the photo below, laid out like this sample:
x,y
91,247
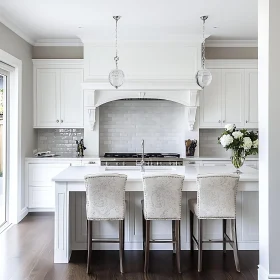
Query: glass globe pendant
x,y
116,76
203,76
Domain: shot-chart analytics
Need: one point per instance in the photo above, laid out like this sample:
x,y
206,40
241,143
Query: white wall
x,y
160,123
16,46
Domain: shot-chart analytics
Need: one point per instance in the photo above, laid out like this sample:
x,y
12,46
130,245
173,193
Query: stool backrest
x,y
163,197
216,196
105,196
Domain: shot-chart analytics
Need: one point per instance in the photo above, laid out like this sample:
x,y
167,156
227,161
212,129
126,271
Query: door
x,y
72,113
211,101
251,98
233,96
47,98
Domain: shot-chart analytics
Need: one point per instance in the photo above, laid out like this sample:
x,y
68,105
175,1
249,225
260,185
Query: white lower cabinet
x,y
41,198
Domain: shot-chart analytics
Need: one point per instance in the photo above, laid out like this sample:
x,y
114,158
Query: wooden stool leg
x,y
89,244
224,235
147,246
121,238
191,230
200,228
235,246
173,236
178,245
144,230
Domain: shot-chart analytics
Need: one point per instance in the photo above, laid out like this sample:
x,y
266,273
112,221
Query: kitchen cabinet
x,y
232,96
251,98
58,95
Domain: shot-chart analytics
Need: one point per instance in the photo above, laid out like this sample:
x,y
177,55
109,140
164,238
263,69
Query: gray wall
x,y
58,52
16,46
211,53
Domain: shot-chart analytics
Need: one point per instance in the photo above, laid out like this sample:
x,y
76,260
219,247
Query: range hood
x,y
160,70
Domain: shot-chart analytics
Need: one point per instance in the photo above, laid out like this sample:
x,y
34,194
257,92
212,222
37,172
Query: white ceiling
x,y
141,19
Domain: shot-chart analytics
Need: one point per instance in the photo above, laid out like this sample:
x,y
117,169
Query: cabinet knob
x,y
224,121
246,121
57,121
219,121
61,121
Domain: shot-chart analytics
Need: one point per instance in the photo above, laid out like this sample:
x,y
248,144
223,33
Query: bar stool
x,y
216,199
162,201
105,200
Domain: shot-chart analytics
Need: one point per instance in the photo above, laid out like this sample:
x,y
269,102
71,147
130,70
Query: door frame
x,y
15,161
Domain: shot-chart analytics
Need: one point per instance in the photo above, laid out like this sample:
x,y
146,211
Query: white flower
x,y
226,140
229,127
237,134
256,143
247,143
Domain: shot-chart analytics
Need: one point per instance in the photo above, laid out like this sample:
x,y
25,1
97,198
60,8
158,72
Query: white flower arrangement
x,y
242,142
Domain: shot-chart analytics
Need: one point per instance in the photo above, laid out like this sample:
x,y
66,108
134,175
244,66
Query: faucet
x,y
142,163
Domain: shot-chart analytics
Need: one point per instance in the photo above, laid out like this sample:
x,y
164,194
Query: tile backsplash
x,y
59,140
124,123
208,144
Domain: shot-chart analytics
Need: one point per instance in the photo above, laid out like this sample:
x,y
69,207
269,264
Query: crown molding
x,y
232,43
16,30
232,63
58,43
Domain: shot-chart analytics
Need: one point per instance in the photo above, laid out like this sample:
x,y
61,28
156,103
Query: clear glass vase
x,y
237,159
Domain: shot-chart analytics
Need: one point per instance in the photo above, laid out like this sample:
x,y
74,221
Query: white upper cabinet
x,y
233,96
47,97
211,101
71,108
58,94
251,98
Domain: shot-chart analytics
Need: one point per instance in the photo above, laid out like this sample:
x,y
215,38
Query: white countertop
x,y
61,158
77,173
216,158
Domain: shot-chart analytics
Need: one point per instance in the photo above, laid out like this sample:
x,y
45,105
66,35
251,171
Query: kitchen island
x,y
70,217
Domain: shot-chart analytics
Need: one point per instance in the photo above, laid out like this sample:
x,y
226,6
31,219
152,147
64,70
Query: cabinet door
x,y
72,113
41,198
233,96
47,98
251,98
211,101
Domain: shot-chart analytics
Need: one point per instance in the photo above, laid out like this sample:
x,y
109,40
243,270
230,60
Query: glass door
x,y
3,190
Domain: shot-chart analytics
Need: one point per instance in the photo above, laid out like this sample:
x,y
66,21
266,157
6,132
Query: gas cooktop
x,y
139,155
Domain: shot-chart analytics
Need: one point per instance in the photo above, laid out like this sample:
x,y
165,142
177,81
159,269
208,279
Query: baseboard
x,y
164,246
23,213
41,209
264,275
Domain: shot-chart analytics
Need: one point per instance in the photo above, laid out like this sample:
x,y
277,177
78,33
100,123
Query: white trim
x,y
23,213
15,160
232,43
59,43
41,209
264,275
232,63
16,30
58,63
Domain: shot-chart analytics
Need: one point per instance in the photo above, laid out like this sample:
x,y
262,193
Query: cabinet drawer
x,y
192,163
42,174
41,197
216,163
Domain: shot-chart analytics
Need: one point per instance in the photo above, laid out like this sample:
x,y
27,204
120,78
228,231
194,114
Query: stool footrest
x,y
111,240
162,241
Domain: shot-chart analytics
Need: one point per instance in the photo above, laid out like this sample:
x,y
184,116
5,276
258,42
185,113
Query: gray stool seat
x,y
216,199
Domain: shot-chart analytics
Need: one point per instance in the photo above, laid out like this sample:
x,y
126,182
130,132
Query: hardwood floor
x,y
26,253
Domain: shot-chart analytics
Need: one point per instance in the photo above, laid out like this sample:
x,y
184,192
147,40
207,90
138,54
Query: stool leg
x,y
121,239
144,230
224,237
173,237
200,228
147,246
89,244
235,246
178,245
191,230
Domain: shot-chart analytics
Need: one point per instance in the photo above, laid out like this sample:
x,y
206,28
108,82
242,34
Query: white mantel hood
x,y
158,70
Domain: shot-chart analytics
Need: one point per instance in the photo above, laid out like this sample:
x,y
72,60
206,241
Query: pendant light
x,y
116,76
203,76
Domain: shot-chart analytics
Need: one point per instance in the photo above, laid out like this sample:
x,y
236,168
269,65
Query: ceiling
x,y
141,19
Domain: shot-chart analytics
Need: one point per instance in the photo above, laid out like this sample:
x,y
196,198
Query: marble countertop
x,y
77,173
216,158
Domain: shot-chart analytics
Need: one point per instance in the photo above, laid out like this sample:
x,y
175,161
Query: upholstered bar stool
x,y
105,200
216,199
162,201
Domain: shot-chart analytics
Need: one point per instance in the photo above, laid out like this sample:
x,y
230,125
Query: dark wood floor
x,y
26,252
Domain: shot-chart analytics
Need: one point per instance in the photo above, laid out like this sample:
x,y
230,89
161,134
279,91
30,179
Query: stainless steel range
x,y
133,159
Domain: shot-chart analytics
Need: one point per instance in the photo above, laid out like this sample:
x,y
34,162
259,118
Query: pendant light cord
x,y
116,58
203,44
